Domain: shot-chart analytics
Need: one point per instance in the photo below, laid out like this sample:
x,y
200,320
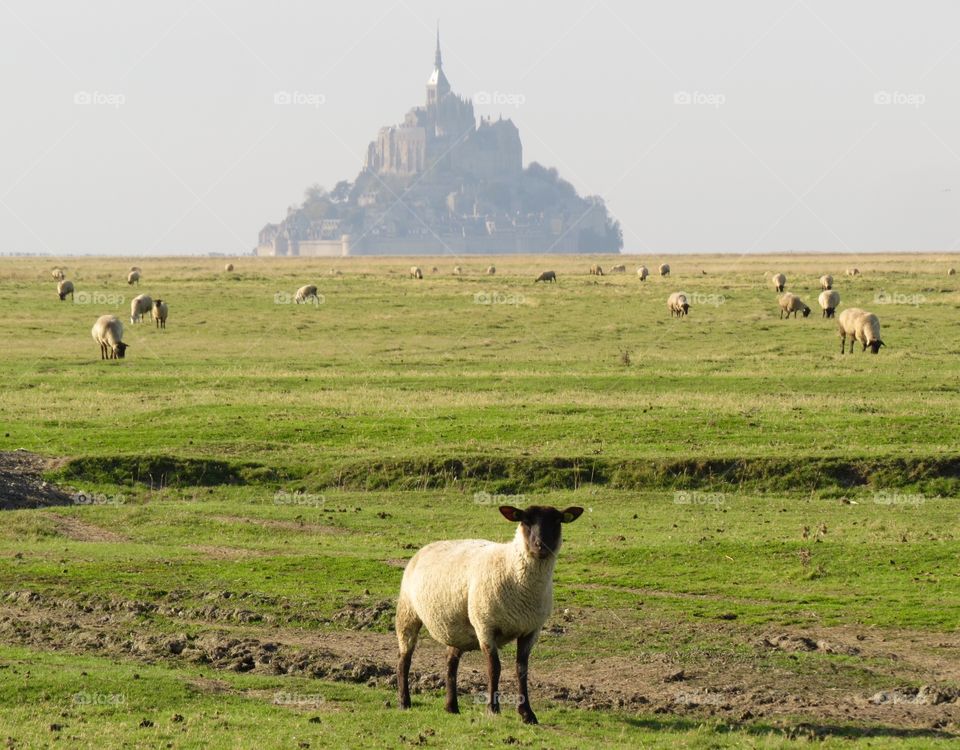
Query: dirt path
x,y
737,690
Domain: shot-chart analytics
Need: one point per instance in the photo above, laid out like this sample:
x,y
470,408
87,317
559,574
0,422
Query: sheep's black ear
x,y
571,514
881,343
512,514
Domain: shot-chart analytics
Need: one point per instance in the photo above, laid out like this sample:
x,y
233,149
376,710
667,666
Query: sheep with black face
x,y
473,594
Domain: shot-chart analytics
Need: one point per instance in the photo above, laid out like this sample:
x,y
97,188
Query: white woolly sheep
x,y
678,304
868,332
596,270
228,267
546,276
829,299
64,288
847,326
473,594
826,281
140,305
643,272
791,303
58,274
852,272
618,268
306,292
108,332
491,270
416,272
779,281
457,271
160,311
664,269
133,278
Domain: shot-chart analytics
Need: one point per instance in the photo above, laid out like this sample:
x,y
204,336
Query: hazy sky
x,y
707,126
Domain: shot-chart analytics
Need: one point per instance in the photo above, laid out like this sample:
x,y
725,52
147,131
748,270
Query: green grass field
x,y
774,519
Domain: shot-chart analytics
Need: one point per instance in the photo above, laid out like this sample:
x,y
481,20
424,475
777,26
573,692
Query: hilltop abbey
x,y
438,183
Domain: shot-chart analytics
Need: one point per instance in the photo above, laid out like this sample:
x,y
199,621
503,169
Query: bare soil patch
x,y
22,484
917,697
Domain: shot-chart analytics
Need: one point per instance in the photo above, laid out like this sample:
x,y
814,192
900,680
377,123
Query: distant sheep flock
x,y
854,324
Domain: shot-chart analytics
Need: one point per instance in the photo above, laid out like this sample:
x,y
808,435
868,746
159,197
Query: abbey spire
x,y
437,85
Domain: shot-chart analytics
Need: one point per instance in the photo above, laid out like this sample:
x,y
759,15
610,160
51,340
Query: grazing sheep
x,y
791,303
306,292
434,270
457,271
826,281
596,270
133,278
779,281
140,305
415,272
664,269
58,274
491,270
160,310
677,304
336,272
847,326
618,269
546,276
868,332
829,300
64,288
643,272
951,272
108,332
852,272
228,268
473,594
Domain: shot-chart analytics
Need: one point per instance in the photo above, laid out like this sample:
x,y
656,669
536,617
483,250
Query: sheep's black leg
x,y
493,678
403,674
524,647
453,661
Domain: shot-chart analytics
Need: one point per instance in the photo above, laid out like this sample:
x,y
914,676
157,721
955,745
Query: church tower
x,y
437,85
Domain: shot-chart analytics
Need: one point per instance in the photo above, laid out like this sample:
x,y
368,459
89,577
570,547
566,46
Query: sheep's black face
x,y
541,527
121,349
806,311
875,346
686,308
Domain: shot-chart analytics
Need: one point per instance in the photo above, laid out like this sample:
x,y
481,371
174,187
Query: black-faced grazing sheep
x,y
596,270
826,281
847,326
868,332
140,305
829,299
473,594
678,304
546,276
108,332
791,303
416,272
642,273
779,282
664,269
308,291
64,288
